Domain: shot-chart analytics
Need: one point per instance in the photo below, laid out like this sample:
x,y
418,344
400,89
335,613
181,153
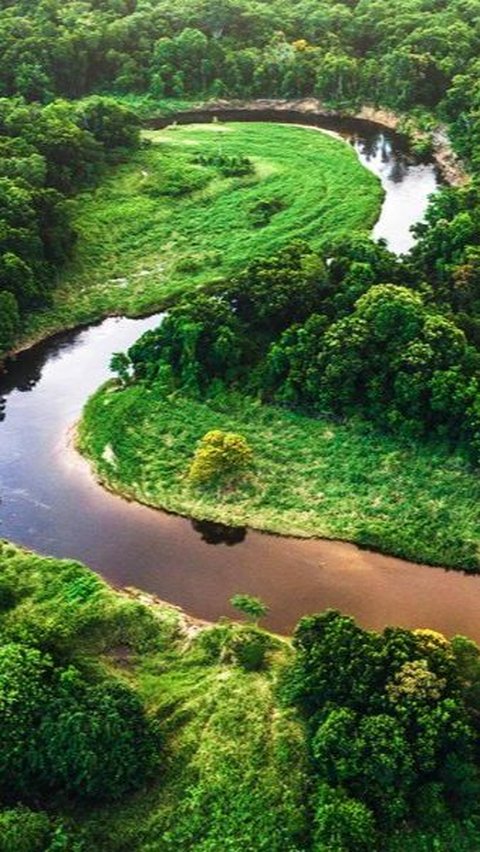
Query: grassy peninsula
x,y
311,477
171,219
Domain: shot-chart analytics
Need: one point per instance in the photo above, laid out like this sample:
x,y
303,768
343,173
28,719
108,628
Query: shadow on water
x,y
212,532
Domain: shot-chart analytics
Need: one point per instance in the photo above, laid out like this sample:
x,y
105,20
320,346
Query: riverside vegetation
x,y
187,207
376,437
126,725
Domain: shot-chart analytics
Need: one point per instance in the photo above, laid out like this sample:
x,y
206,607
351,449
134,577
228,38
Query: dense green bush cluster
x,y
46,155
62,734
392,727
71,732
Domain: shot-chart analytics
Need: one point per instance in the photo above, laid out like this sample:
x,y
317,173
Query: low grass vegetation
x,y
311,477
171,220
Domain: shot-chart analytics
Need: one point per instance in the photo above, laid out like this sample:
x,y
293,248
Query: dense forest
x,y
126,724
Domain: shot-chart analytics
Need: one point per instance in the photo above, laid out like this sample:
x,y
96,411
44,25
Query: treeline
x,y
47,154
365,334
415,55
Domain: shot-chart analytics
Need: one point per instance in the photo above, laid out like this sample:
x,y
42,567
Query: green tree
x,y
254,608
221,457
9,319
342,824
121,365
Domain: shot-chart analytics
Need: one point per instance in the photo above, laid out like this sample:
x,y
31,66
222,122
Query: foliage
x,y
312,476
47,154
342,824
390,720
383,745
340,331
160,226
63,734
236,165
227,745
222,457
252,607
25,830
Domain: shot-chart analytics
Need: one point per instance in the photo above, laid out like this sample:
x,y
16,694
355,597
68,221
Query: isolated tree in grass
x,y
222,457
253,608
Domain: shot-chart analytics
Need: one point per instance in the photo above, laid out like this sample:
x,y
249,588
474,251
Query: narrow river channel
x,y
51,503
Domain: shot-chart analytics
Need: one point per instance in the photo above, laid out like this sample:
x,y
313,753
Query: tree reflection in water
x,y
212,532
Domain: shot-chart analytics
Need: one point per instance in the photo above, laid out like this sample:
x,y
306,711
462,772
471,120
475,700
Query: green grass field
x,y
312,477
162,224
228,745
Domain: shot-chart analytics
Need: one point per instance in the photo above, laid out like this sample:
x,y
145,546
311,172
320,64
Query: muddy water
x,y
50,502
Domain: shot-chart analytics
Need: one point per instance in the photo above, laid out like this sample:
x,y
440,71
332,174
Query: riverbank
x,y
312,478
447,161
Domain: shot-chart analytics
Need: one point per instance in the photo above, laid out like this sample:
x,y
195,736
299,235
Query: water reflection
x,y
212,532
23,372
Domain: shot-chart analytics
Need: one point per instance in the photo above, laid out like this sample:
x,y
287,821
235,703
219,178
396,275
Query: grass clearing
x,y
162,224
312,477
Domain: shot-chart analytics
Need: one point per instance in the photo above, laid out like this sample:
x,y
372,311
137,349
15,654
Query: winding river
x,y
51,502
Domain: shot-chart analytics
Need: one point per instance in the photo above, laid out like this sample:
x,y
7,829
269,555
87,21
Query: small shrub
x,y
263,210
7,596
222,457
23,830
174,180
228,166
248,649
252,607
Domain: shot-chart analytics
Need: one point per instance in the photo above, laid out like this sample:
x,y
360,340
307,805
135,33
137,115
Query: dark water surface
x,y
50,502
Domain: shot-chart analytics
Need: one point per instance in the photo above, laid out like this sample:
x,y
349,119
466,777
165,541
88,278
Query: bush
x,y
222,457
342,824
235,166
22,830
248,649
63,734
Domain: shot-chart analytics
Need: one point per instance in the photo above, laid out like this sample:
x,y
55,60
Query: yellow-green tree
x,y
222,457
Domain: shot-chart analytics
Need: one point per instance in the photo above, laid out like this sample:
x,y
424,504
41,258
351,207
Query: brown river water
x,y
50,502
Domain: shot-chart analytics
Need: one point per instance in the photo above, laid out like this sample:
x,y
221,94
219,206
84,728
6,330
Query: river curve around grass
x,y
51,502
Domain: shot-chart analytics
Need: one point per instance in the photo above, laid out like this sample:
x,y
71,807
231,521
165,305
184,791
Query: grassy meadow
x,y
162,223
227,743
311,477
